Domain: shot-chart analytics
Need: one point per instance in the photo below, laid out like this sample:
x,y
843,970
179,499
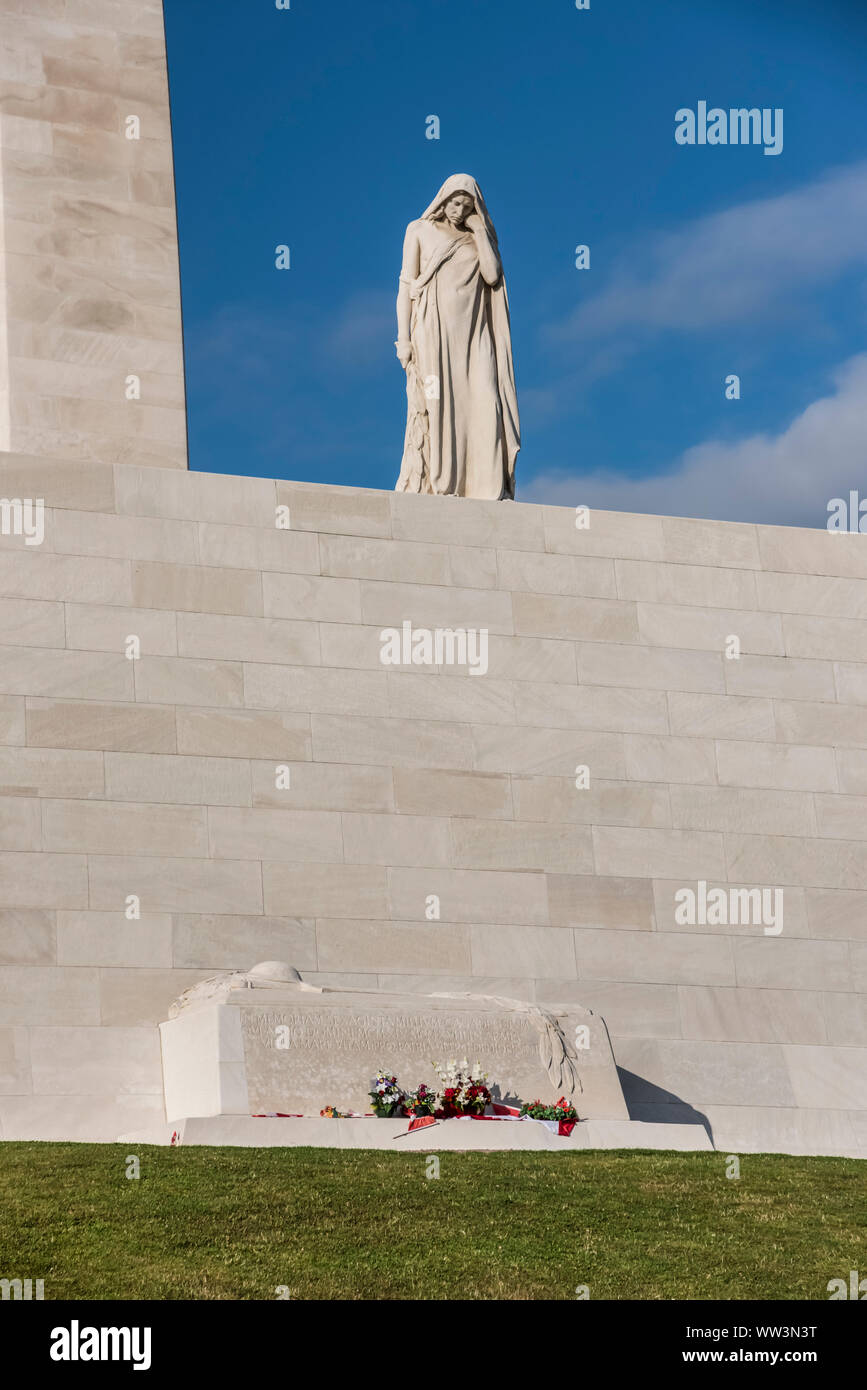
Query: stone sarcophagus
x,y
266,1042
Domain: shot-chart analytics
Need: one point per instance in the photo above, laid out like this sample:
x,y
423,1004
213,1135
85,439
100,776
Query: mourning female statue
x,y
453,339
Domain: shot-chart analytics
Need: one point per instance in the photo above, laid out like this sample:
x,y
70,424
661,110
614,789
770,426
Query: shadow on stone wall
x,y
654,1104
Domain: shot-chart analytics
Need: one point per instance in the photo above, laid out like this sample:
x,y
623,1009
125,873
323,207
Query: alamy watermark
x,y
723,907
23,516
848,514
737,126
24,1289
424,646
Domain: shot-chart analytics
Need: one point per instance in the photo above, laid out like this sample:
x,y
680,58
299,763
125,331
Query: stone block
x,y
781,677
219,941
770,765
747,810
323,787
729,544
776,963
173,884
109,939
796,550
665,759
42,995
27,937
113,827
427,947
745,1015
400,743
620,534
497,844
343,511
98,725
139,998
709,629
588,900
784,859
591,707
528,572
99,628
12,724
699,715
400,840
432,606
36,671
548,952
257,548
656,957
468,895
326,890
530,751
633,852
312,598
196,589
649,668
21,823
822,638
828,1078
836,915
400,562
31,623
244,734
421,791
709,586
14,1062
247,639
473,700
241,833
52,880
314,690
802,721
465,522
575,618
183,681
187,781
96,1061
601,803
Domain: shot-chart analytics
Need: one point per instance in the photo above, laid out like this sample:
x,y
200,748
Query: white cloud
x,y
730,266
783,479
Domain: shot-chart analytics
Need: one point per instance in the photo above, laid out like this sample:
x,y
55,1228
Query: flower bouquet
x,y
564,1115
539,1110
386,1096
421,1101
463,1090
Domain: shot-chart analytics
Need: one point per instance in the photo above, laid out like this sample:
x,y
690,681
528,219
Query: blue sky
x,y
306,127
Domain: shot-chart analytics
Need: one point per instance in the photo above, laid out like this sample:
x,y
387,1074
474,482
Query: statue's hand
x,y
473,223
404,352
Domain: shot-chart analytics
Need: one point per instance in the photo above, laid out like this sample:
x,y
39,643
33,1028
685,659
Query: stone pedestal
x,y
297,1052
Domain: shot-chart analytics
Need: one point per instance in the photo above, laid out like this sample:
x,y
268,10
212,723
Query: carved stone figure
x,y
269,974
454,341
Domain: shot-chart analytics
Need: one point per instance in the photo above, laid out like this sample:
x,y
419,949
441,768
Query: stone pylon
x,y
91,360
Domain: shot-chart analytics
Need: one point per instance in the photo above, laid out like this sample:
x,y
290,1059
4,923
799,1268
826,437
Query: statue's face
x,y
459,206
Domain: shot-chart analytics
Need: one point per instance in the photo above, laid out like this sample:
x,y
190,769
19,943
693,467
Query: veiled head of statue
x,y
460,184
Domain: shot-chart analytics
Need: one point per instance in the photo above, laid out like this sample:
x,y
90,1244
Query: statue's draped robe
x,y
462,433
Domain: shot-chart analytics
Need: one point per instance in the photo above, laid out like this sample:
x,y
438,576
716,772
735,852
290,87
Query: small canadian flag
x,y
421,1122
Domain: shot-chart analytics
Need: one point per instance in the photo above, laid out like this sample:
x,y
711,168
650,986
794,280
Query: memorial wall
x,y
404,743
197,726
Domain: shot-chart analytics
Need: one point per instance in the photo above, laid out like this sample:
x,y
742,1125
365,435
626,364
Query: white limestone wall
x,y
261,647
89,290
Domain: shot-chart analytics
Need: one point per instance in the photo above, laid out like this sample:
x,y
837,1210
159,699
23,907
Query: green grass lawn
x,y
210,1223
